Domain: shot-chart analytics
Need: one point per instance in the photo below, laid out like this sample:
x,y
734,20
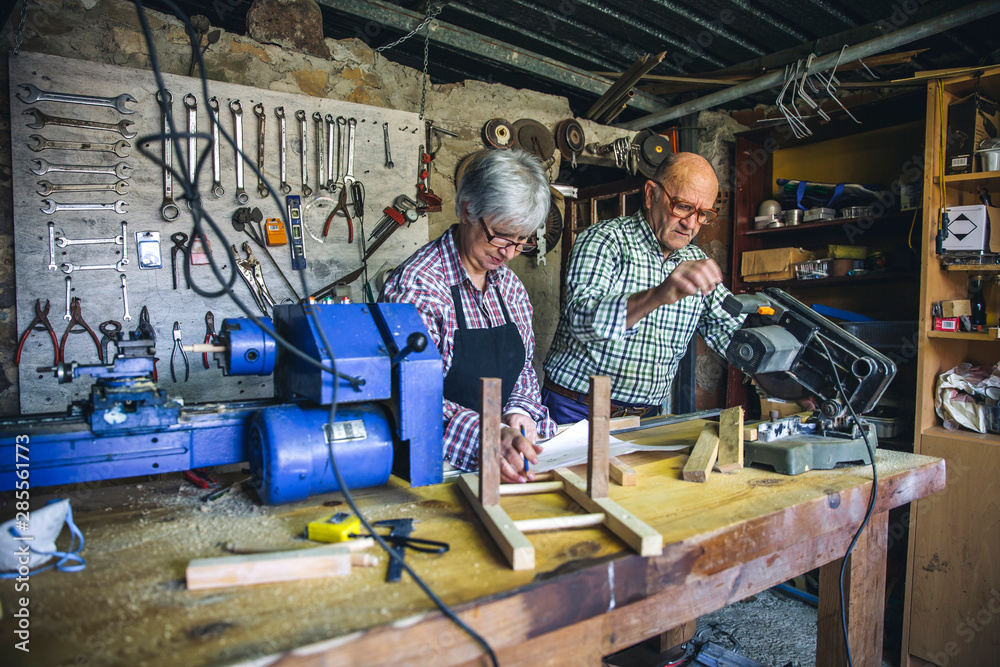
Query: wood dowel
x,y
559,523
530,488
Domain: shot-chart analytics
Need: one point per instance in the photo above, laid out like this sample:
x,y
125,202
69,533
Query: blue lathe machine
x,y
387,388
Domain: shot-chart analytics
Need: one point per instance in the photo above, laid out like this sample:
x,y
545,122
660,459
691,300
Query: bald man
x,y
637,291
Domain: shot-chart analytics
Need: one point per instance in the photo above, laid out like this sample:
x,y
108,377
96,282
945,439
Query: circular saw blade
x,y
533,137
570,138
498,134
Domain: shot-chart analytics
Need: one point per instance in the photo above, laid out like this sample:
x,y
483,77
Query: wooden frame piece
x,y
730,440
703,454
591,494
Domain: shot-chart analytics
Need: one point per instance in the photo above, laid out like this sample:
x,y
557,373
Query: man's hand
x,y
689,278
514,448
523,424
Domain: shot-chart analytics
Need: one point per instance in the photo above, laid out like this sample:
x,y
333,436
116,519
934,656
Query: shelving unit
x,y
953,568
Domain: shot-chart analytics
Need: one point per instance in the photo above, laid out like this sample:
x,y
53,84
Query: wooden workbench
x,y
589,596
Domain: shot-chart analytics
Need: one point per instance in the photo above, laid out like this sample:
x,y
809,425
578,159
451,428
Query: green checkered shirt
x,y
611,261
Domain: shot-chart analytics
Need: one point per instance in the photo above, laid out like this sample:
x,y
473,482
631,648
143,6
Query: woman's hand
x,y
514,449
523,424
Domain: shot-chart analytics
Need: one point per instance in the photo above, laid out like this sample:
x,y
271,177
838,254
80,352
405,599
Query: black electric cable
x,y
190,193
871,499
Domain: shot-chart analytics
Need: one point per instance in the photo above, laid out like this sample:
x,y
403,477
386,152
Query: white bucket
x,y
990,159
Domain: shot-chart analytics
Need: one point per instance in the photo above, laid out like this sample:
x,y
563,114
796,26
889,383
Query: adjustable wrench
x,y
241,195
33,95
54,207
45,188
341,124
52,249
70,268
388,155
217,189
301,116
282,147
118,148
258,110
43,119
127,316
168,209
320,159
121,170
191,104
331,181
349,179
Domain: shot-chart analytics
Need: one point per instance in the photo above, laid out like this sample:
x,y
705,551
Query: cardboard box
x,y
970,120
945,324
958,308
967,229
773,264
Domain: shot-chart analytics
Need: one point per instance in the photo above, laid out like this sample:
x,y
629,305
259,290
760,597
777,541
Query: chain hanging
x,y
432,11
19,35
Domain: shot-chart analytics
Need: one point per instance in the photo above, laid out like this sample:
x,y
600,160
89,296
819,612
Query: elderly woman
x,y
477,311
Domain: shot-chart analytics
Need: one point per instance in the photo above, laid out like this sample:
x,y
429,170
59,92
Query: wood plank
x,y
703,455
677,635
632,530
750,433
489,441
529,488
730,440
266,568
514,546
620,472
864,590
599,434
559,522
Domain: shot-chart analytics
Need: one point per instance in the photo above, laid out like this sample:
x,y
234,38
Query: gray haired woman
x,y
478,312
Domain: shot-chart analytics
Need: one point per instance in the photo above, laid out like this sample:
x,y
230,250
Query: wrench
x,y
241,195
217,189
191,104
33,95
68,268
168,209
301,116
127,316
118,148
52,249
320,159
341,124
121,170
388,155
46,188
349,179
258,110
69,288
42,119
54,207
331,183
280,113
62,241
124,259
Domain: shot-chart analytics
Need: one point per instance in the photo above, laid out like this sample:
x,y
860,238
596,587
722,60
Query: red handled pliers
x,y
40,323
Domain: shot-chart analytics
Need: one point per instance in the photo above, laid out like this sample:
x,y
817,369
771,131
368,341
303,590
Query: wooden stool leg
x,y
600,434
489,442
676,636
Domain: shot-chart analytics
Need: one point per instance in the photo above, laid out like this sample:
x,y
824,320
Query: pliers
x,y
112,331
209,334
341,206
77,320
178,346
253,276
40,323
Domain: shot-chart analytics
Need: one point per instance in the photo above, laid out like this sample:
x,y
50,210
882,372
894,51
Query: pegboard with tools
x,y
96,220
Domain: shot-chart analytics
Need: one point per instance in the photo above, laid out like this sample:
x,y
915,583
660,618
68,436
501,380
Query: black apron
x,y
494,352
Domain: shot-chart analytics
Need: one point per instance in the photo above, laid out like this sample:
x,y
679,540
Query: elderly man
x,y
478,312
636,293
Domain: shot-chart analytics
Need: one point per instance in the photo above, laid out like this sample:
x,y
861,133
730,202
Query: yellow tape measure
x,y
336,528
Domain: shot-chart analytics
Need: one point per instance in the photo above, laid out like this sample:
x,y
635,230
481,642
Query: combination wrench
x,y
300,115
258,110
43,119
241,195
168,209
68,268
45,188
118,148
33,94
341,124
51,207
349,179
127,316
388,155
320,159
331,182
217,189
121,170
282,147
191,104
52,246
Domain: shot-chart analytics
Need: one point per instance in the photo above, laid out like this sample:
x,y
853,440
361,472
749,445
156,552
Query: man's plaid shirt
x,y
425,280
611,261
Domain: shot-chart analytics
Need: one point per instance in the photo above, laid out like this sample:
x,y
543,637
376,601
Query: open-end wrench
x,y
258,110
191,104
51,207
282,147
62,241
341,124
388,154
300,115
69,288
331,182
45,188
127,316
118,148
43,119
124,242
349,179
52,247
217,189
70,268
168,209
34,94
241,195
320,159
121,170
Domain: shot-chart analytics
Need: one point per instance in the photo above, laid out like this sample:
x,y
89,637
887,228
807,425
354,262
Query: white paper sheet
x,y
570,448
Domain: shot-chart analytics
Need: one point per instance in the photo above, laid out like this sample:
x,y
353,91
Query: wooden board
x,y
703,455
730,440
620,472
268,568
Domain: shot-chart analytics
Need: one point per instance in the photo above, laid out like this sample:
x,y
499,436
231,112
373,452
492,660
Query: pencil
x,y
525,456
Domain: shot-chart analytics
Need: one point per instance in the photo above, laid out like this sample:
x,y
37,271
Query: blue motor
x,y
249,351
290,459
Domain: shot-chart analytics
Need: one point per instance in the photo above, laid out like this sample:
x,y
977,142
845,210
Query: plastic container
x,y
814,270
989,155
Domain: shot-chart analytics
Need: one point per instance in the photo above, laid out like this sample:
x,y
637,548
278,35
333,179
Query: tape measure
x,y
336,528
274,232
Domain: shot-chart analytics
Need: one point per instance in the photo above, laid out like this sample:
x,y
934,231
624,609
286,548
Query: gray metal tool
x,y
41,144
43,119
258,110
217,189
282,148
34,94
168,209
